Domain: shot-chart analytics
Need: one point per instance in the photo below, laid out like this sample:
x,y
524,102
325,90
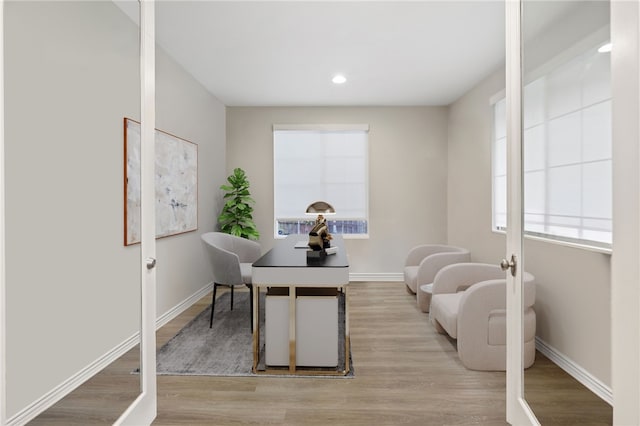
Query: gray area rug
x,y
226,349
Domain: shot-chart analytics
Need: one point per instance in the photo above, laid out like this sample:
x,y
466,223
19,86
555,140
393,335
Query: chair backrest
x,y
459,276
419,253
483,288
226,252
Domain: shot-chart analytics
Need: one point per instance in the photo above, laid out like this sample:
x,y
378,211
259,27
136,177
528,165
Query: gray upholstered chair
x,y
469,304
231,258
423,263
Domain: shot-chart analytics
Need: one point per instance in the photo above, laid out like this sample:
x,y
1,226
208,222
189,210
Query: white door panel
x,y
518,411
144,409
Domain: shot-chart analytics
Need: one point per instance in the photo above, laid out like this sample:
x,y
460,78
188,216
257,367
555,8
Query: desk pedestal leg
x,y
292,329
256,327
347,337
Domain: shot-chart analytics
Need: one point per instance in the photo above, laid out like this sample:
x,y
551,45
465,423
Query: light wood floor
x,y
405,374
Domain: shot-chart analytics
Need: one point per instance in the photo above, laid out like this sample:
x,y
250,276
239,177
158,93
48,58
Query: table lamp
x,y
320,208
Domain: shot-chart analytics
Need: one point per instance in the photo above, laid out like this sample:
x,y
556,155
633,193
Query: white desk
x,y
287,266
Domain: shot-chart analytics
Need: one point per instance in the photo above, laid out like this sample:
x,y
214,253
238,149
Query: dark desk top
x,y
285,255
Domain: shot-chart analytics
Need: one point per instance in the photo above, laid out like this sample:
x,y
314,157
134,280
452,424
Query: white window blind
x,y
567,153
321,165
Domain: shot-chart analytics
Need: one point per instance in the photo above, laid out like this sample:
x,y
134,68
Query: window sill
x,y
355,236
344,236
586,247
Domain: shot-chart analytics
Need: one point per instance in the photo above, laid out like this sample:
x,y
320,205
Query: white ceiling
x,y
276,53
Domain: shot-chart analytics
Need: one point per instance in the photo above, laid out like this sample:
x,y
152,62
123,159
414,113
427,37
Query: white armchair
x,y
469,304
423,263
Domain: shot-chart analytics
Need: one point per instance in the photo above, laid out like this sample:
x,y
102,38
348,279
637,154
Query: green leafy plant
x,y
236,217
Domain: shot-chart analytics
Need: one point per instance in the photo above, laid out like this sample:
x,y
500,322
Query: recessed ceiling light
x,y
605,48
339,79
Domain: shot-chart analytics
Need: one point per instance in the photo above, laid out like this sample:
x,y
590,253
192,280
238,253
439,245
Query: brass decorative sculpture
x,y
319,236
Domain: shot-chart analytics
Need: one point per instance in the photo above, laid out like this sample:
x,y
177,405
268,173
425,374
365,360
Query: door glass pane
x,y
567,180
567,119
73,298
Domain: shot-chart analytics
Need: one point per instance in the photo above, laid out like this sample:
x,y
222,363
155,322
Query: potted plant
x,y
236,217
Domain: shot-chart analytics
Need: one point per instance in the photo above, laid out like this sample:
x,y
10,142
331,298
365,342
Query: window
x,y
567,153
321,163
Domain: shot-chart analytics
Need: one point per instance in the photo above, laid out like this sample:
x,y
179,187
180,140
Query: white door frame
x,y
518,411
144,409
625,260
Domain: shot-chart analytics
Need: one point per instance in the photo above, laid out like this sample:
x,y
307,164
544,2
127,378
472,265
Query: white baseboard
x,y
376,276
69,385
183,306
575,371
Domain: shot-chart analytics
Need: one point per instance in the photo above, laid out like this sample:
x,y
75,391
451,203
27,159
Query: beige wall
x,y
469,173
72,287
573,285
407,174
185,108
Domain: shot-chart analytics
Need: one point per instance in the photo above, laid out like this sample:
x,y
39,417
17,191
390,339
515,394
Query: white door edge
x,y
518,411
3,353
144,409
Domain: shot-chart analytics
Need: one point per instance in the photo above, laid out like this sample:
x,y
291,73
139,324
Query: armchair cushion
x,y
446,311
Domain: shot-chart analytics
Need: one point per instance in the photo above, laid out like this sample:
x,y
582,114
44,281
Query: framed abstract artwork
x,y
176,186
